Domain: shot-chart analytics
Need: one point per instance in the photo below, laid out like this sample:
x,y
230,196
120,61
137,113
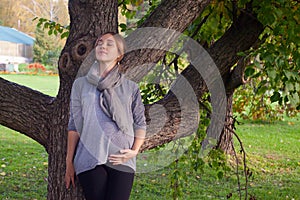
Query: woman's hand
x,y
126,154
70,174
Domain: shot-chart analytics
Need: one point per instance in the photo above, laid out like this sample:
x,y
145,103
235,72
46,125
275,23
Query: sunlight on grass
x,y
45,84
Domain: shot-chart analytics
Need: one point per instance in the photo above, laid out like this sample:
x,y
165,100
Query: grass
x,y
272,157
45,84
23,167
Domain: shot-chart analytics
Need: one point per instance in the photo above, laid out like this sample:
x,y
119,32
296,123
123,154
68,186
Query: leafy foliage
x,y
45,48
135,12
274,73
273,87
53,27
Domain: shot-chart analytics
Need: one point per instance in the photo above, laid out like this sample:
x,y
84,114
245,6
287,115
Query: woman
x,y
106,127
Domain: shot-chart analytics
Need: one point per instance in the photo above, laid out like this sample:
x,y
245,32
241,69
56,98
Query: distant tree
x,y
46,49
26,10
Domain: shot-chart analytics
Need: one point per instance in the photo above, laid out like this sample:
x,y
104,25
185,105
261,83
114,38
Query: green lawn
x,y
45,84
23,167
272,156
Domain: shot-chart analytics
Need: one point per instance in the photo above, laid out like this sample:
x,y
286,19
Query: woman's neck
x,y
104,67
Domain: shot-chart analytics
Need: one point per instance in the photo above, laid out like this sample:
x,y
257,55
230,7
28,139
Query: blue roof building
x,y
15,36
15,46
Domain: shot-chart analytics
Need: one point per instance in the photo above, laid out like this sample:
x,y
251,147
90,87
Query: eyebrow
x,y
108,40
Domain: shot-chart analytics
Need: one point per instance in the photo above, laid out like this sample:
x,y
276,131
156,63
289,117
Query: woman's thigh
x,y
94,183
119,184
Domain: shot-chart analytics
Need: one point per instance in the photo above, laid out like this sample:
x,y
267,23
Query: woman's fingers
x,y
70,176
67,182
116,159
69,179
125,155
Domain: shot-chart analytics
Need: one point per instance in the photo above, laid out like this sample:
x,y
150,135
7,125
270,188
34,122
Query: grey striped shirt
x,y
99,134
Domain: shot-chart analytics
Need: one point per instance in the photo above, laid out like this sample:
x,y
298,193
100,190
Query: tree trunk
x,y
87,23
238,38
226,138
25,110
45,118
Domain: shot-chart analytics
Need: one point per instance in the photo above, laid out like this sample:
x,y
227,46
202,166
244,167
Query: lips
x,y
102,52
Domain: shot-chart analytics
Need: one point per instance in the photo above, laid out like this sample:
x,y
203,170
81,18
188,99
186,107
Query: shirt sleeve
x,y
75,118
138,111
71,124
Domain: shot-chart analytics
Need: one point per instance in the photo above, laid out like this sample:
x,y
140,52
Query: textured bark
x,y
239,37
226,138
45,118
88,21
25,110
236,78
175,15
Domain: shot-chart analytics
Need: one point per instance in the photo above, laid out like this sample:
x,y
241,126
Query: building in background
x,y
15,48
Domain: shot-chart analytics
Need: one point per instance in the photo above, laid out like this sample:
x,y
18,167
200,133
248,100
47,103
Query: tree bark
x,y
238,38
25,110
226,138
236,79
88,21
175,15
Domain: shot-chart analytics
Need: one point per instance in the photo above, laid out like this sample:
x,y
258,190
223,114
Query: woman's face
x,y
106,49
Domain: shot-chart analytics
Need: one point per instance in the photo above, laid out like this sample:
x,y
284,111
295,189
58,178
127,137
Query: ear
x,y
119,58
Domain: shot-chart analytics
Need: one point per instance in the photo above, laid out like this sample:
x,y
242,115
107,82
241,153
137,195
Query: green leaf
x,y
46,25
241,54
289,86
249,71
50,32
297,86
288,74
258,74
64,35
123,27
220,174
294,99
275,97
257,63
286,99
262,90
271,73
39,24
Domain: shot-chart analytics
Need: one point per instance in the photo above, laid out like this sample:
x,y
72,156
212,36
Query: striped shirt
x,y
99,134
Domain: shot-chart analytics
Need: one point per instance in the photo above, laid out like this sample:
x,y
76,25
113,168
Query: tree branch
x,y
239,37
236,76
164,16
25,110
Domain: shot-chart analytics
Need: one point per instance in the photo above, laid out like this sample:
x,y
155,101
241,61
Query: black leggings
x,y
105,183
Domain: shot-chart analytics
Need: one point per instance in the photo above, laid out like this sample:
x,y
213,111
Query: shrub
x,y
36,67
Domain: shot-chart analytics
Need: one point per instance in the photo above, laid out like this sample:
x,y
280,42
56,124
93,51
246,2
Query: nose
x,y
102,46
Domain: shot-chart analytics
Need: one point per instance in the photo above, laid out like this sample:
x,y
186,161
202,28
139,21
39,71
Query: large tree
x,y
44,118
